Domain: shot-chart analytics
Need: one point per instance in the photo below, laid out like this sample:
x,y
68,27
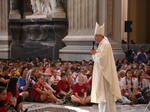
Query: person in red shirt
x,y
3,95
80,92
89,85
41,93
13,96
63,87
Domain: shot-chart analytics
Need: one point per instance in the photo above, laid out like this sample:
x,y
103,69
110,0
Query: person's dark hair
x,y
22,69
5,68
63,74
129,70
12,86
53,65
131,79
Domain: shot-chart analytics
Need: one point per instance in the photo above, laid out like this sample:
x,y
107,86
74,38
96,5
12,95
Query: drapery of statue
x,y
47,9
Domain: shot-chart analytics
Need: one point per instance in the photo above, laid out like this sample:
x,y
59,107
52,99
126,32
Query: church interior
x,y
50,41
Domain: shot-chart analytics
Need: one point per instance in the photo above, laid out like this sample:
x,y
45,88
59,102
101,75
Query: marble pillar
x,y
4,47
117,28
114,28
82,17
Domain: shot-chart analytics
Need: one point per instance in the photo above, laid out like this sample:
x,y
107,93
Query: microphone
x,y
93,44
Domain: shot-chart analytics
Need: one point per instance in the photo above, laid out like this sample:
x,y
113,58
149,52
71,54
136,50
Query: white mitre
x,y
99,30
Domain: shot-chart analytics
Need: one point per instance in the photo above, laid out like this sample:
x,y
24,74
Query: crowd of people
x,y
43,80
134,77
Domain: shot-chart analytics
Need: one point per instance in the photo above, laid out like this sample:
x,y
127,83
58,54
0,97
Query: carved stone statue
x,y
47,8
42,6
33,3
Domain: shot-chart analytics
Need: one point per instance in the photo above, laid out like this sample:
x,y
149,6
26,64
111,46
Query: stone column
x,y
111,14
117,20
114,26
4,47
82,17
101,9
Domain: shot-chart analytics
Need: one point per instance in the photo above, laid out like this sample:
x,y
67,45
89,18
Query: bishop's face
x,y
98,38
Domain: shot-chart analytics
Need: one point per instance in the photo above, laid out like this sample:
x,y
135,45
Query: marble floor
x,y
48,107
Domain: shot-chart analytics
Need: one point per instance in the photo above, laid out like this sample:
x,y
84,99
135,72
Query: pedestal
x,y
37,37
77,48
38,16
117,49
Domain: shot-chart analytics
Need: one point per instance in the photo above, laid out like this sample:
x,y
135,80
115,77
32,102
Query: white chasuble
x,y
104,71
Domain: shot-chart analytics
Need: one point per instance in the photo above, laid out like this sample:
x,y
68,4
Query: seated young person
x,y
80,92
124,99
3,77
41,93
4,106
23,83
13,93
54,79
3,96
63,87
